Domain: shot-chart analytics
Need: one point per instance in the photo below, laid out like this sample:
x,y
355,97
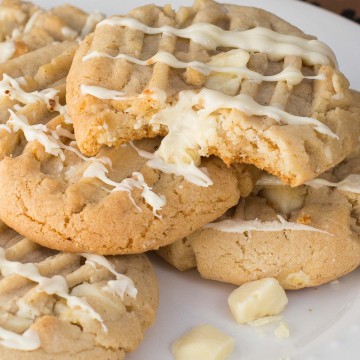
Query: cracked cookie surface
x,y
115,215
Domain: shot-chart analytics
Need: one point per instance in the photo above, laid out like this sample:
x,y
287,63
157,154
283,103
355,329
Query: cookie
x,y
72,306
232,81
14,15
180,253
33,86
111,204
304,236
26,27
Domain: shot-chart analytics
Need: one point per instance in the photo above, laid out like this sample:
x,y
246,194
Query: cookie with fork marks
x,y
26,27
232,81
72,306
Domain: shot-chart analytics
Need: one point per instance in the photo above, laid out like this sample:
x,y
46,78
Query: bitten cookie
x,y
304,236
232,81
72,306
111,204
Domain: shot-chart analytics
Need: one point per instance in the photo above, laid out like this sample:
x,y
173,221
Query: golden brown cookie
x,y
219,79
72,306
303,236
180,253
26,27
111,204
33,86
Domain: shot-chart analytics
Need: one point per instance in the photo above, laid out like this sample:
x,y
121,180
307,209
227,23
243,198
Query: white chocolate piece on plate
x,y
282,331
257,299
204,342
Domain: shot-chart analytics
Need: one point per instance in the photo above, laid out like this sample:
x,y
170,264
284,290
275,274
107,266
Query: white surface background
x,y
324,322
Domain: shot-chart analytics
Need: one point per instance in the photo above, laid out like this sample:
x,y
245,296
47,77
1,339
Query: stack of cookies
x,y
218,135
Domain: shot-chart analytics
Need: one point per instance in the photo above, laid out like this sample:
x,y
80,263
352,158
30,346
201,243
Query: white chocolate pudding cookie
x,y
72,306
213,79
304,236
110,204
26,27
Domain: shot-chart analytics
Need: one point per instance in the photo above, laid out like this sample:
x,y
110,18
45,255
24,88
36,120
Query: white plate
x,y
324,322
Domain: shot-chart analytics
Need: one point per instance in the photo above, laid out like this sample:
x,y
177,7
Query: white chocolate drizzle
x,y
350,183
69,33
99,171
258,39
54,146
189,171
104,94
122,285
107,94
211,101
8,47
242,226
34,132
290,74
93,18
56,285
32,20
28,341
191,132
11,88
7,50
90,23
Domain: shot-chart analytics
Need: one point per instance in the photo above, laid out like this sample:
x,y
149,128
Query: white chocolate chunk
x,y
282,331
265,321
297,279
203,342
285,198
257,299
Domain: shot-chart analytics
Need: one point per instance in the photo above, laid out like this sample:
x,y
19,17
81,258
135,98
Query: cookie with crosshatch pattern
x,y
37,48
24,88
71,306
233,81
26,27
